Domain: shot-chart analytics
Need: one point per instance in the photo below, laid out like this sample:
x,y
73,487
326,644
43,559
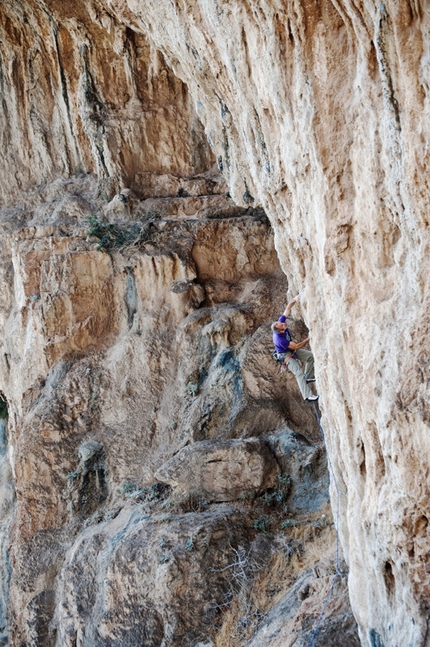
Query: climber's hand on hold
x,y
297,346
291,304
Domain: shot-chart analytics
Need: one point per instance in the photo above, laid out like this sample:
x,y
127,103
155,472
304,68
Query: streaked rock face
x,y
319,112
288,623
148,582
82,93
117,361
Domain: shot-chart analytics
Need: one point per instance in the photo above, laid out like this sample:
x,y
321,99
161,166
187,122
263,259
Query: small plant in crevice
x,y
262,524
148,496
192,503
247,498
181,504
3,409
164,518
191,389
100,516
116,236
319,524
289,523
128,488
272,498
159,498
95,518
189,546
111,514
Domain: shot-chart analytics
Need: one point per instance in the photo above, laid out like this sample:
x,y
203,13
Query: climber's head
x,y
279,327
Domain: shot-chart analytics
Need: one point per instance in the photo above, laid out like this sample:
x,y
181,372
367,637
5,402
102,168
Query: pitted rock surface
x,y
222,470
317,111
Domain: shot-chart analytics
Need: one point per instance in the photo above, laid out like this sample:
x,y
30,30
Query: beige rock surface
x,y
137,581
294,619
221,470
82,93
112,363
7,500
318,111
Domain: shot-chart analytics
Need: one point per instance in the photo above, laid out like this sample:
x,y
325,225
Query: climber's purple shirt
x,y
282,339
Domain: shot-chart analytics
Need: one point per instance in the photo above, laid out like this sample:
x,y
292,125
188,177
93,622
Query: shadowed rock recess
x,y
169,170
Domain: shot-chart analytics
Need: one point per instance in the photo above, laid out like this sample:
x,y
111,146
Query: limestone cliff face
x,y
319,112
162,494
83,93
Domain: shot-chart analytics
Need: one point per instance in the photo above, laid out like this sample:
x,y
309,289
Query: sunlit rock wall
x,y
82,93
115,361
320,112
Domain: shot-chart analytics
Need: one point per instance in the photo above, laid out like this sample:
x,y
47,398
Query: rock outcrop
x,y
316,111
319,112
83,93
138,349
292,620
136,581
222,470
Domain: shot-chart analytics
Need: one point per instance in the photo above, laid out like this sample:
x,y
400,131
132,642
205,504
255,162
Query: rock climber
x,y
292,353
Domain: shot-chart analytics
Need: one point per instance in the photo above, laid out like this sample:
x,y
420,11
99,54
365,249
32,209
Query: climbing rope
x,y
338,573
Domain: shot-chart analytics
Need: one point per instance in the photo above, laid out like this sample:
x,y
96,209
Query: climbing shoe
x,y
312,398
312,379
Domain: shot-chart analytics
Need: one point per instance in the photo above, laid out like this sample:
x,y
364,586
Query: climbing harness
x,y
338,572
282,358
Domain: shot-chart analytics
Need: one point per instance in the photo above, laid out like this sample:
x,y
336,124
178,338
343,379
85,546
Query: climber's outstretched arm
x,y
290,306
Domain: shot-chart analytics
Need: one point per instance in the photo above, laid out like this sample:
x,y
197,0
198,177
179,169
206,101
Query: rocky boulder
x,y
222,470
306,466
297,620
137,580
